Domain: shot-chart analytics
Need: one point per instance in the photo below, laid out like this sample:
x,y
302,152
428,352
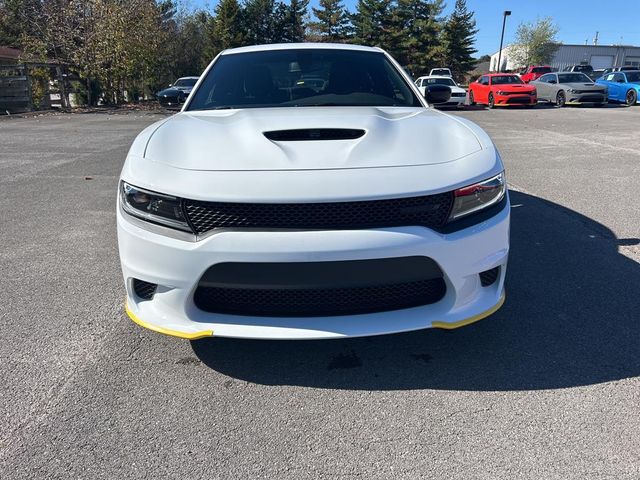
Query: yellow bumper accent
x,y
470,320
167,331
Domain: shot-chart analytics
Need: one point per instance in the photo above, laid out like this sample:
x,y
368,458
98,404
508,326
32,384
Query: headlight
x,y
153,207
500,92
571,90
478,196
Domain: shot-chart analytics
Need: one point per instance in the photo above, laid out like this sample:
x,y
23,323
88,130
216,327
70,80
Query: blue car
x,y
622,86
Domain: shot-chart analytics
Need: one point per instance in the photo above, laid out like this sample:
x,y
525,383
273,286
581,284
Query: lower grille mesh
x,y
144,290
488,277
319,302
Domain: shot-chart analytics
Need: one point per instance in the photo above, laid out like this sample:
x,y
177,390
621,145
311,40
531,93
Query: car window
x,y
541,69
633,77
279,78
576,77
506,79
618,77
439,81
185,82
484,80
547,78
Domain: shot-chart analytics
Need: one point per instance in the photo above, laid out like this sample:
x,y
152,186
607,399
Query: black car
x,y
177,93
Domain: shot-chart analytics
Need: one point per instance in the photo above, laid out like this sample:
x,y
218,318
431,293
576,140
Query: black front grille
x,y
488,277
314,302
458,94
519,100
144,290
429,211
592,98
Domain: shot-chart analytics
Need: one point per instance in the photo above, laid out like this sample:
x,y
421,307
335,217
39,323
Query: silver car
x,y
562,88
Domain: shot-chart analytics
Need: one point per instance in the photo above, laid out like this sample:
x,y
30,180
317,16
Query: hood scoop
x,y
308,134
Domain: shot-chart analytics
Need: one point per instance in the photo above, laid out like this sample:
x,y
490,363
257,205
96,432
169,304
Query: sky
x,y
617,21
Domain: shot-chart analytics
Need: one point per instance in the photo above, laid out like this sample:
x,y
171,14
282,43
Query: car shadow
x,y
571,318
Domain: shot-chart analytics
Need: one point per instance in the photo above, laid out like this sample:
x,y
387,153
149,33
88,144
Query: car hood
x,y
506,87
234,140
582,86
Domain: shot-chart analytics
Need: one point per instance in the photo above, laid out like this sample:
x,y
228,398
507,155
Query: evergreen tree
x,y
415,35
457,38
259,21
332,23
225,28
294,21
372,23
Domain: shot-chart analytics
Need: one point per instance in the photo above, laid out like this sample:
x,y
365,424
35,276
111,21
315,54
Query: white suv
x,y
267,208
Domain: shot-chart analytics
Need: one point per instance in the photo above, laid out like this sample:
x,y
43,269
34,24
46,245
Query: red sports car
x,y
498,89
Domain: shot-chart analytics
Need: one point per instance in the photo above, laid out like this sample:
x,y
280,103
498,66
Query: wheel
x,y
631,98
561,99
472,100
492,101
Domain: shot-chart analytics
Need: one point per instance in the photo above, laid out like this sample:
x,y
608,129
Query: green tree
x,y
372,23
416,32
535,43
332,22
225,28
260,21
295,27
458,36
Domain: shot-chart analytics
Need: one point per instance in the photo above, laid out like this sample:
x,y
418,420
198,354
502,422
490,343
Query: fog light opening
x,y
489,277
144,290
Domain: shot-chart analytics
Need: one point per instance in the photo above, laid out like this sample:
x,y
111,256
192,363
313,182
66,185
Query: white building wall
x,y
599,56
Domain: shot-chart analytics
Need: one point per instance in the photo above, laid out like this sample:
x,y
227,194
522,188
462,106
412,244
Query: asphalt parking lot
x,y
547,388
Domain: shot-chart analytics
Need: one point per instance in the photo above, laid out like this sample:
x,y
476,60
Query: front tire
x,y
492,101
631,98
561,99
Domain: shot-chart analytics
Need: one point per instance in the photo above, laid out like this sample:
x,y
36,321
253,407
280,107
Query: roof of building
x,y
10,53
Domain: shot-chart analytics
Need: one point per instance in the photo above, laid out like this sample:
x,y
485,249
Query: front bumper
x,y
177,265
580,98
515,100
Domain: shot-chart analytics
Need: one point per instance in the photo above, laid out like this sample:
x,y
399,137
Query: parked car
x,y
533,73
458,94
624,68
357,210
440,72
176,94
586,69
569,87
622,86
501,89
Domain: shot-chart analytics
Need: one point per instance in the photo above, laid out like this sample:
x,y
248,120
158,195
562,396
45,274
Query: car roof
x,y
500,74
296,46
437,76
187,78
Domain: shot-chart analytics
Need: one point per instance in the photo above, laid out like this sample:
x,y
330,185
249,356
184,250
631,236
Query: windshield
x,y
633,77
440,81
185,82
541,69
302,78
573,78
583,68
504,79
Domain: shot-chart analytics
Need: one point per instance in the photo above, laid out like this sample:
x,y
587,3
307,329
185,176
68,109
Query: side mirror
x,y
436,94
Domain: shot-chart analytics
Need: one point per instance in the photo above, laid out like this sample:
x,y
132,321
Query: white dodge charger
x,y
309,191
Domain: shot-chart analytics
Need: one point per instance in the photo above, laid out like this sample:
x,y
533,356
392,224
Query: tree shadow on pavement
x,y
572,317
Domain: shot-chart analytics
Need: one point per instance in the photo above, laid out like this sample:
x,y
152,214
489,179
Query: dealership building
x,y
598,56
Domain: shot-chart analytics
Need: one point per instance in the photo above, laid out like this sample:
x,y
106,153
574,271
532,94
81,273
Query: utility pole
x,y
595,39
504,21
